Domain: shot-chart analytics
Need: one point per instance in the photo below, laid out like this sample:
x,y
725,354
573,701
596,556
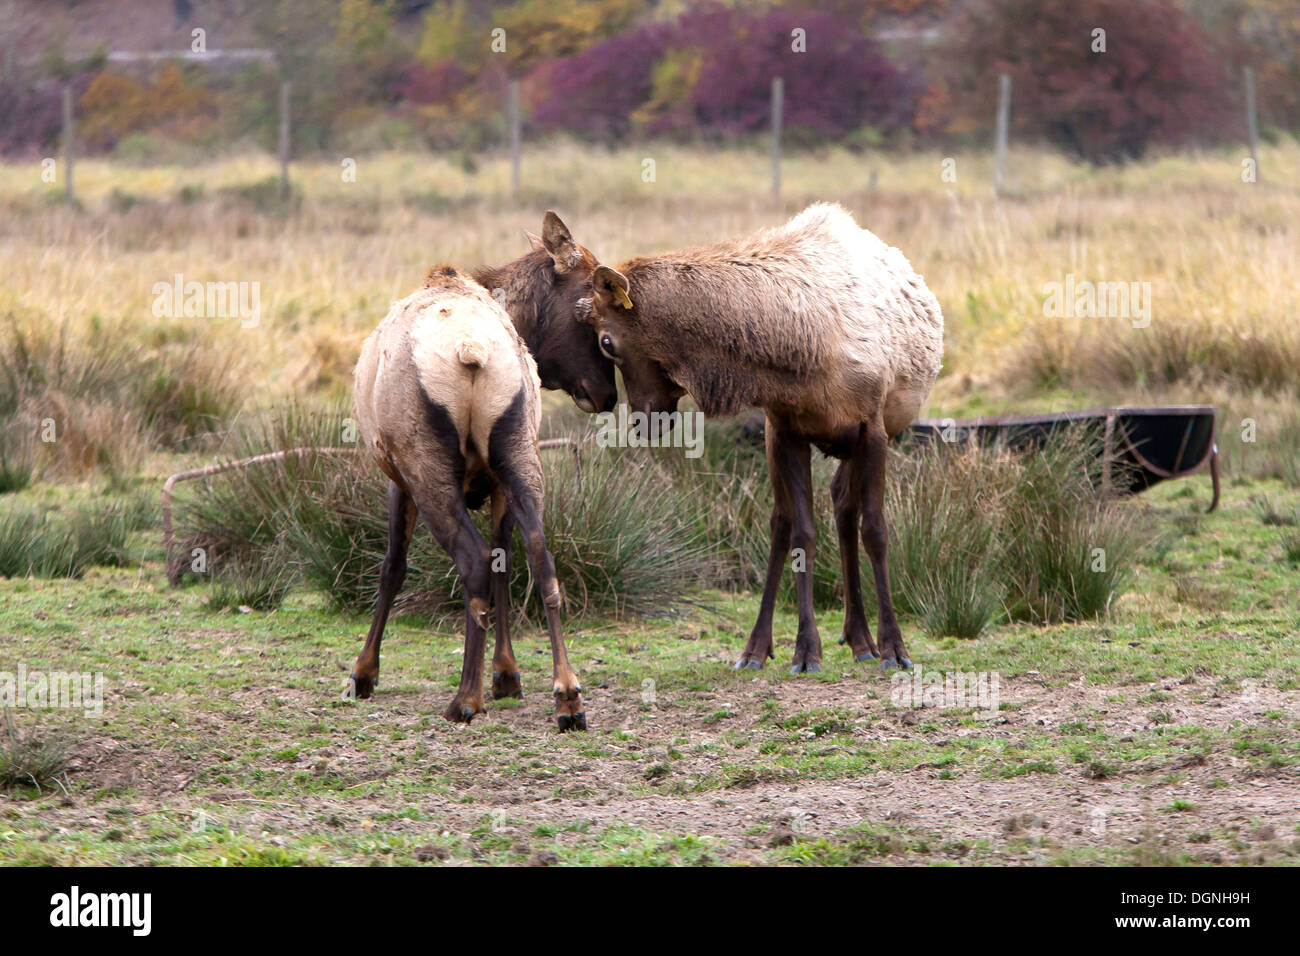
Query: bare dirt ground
x,y
1216,807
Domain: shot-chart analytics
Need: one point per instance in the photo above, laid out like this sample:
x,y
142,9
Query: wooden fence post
x,y
778,108
284,139
68,134
512,110
1004,118
1252,124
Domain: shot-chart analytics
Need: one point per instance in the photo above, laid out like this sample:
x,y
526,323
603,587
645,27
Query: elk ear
x,y
610,287
558,241
534,241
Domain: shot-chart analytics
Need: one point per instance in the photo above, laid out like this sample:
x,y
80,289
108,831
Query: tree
x,y
1152,77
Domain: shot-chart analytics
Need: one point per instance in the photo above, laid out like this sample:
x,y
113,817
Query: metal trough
x,y
1150,444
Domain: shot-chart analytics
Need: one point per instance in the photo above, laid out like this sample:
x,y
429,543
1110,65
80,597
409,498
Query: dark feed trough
x,y
1143,446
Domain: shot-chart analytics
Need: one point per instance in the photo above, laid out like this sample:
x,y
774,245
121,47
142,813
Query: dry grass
x,y
1219,255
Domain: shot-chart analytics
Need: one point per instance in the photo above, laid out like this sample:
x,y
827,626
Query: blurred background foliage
x,y
373,74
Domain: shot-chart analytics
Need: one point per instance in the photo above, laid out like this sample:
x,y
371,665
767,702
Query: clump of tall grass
x,y
1272,516
101,400
249,583
1291,546
1068,554
17,455
28,758
945,508
983,533
65,543
624,540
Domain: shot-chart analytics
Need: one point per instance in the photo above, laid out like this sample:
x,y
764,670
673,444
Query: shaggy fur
x,y
815,314
451,343
830,332
448,404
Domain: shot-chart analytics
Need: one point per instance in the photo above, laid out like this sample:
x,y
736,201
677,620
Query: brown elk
x,y
448,403
835,337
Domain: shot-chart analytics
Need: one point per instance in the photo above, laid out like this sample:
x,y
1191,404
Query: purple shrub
x,y
710,72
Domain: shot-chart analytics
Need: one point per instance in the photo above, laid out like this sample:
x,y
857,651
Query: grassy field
x,y
1163,732
1166,734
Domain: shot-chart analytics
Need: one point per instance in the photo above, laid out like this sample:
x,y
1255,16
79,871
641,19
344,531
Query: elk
x,y
829,331
447,402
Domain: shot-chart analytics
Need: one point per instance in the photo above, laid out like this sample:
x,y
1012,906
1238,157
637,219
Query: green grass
x,y
235,714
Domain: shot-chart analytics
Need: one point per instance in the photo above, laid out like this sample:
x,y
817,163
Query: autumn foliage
x,y
1103,80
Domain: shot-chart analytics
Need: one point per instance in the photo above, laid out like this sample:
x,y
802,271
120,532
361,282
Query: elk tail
x,y
472,353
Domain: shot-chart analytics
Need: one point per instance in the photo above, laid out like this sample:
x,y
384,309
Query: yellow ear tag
x,y
622,296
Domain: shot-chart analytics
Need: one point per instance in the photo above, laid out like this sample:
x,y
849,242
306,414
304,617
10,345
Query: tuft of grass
x,y
1271,517
1068,553
981,533
17,455
63,544
28,758
257,585
104,398
944,508
1291,546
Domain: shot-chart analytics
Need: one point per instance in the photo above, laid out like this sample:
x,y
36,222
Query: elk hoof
x,y
359,688
569,714
567,722
812,668
506,685
748,663
865,656
459,713
889,663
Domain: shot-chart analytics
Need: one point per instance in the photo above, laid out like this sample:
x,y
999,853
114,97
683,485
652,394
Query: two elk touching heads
x,y
546,293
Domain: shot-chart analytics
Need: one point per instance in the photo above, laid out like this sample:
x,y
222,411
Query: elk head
x,y
547,294
616,319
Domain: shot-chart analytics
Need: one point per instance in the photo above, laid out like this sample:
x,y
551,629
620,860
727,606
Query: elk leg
x,y
569,711
453,528
505,672
846,493
401,521
759,647
875,538
798,478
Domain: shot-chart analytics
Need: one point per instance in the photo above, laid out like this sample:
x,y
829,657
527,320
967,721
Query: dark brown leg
x,y
569,711
401,521
505,672
846,492
797,460
875,537
452,527
759,647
